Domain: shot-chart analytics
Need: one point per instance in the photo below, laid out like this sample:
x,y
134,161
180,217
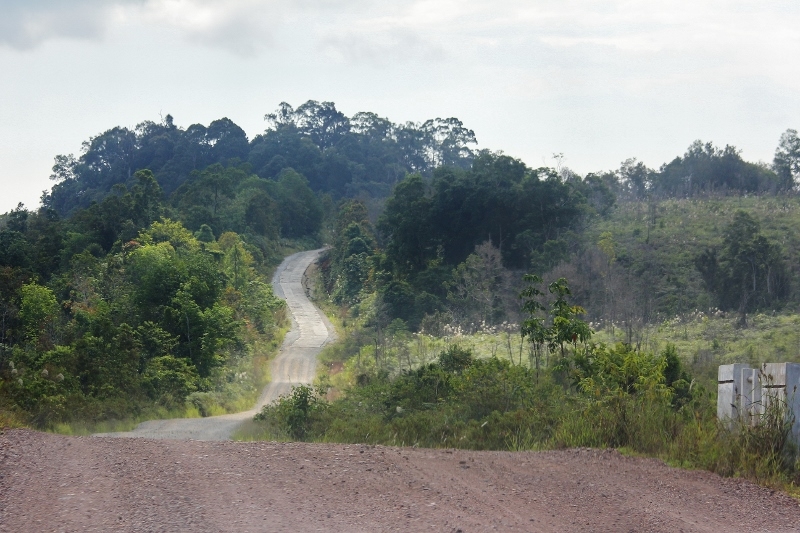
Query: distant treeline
x,y
336,154
367,155
706,169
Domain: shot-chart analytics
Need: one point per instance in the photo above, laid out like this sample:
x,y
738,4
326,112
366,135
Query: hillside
x,y
472,290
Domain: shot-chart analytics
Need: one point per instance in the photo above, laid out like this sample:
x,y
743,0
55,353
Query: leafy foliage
x,y
110,327
749,272
336,154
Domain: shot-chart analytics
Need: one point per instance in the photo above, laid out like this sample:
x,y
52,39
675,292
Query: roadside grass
x,y
705,341
85,427
10,417
240,382
251,431
638,425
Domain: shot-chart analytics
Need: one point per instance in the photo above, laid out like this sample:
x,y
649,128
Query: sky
x,y
596,81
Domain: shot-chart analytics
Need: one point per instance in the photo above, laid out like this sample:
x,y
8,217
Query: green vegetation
x,y
163,321
202,168
597,396
677,270
120,313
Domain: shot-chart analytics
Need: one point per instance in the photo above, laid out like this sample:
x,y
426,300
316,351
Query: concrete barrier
x,y
744,394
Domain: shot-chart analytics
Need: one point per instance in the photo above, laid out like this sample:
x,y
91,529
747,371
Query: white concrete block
x,y
750,396
745,393
727,409
730,372
729,391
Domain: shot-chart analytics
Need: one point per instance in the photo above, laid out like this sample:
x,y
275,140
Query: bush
x,y
169,380
206,403
617,397
292,414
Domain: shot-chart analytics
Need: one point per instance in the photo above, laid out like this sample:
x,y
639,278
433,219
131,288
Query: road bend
x,y
295,364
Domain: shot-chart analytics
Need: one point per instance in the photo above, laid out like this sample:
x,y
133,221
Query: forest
x,y
140,286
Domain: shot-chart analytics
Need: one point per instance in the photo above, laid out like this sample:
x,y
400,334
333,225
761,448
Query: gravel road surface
x,y
295,364
57,483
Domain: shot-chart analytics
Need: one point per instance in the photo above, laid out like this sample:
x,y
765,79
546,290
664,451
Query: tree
x,y
205,234
448,142
406,224
533,327
171,231
322,122
146,196
705,168
17,219
169,380
262,215
227,140
567,328
635,177
110,155
38,309
478,285
787,159
237,262
217,183
300,208
748,272
64,168
284,116
372,126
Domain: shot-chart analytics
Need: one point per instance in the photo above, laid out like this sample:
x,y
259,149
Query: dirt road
x,y
56,483
295,364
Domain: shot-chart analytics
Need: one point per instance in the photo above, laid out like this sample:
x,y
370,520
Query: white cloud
x,y
380,33
25,24
380,48
242,27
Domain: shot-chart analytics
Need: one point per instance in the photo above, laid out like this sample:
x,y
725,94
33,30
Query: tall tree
x,y
406,224
787,159
748,272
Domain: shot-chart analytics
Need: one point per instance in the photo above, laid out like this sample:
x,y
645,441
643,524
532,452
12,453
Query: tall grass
x,y
84,427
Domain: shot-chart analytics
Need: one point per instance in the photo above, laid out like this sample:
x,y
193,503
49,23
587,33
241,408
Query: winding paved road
x,y
295,364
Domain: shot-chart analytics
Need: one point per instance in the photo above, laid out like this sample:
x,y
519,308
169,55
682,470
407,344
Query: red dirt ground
x,y
56,483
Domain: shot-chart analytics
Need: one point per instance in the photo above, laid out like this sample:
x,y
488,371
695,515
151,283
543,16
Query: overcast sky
x,y
598,81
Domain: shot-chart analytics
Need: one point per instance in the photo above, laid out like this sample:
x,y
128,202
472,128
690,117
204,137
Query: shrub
x,y
292,414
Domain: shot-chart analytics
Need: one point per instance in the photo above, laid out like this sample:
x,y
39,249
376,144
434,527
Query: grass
x,y
83,427
686,435
251,431
9,417
703,341
494,405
